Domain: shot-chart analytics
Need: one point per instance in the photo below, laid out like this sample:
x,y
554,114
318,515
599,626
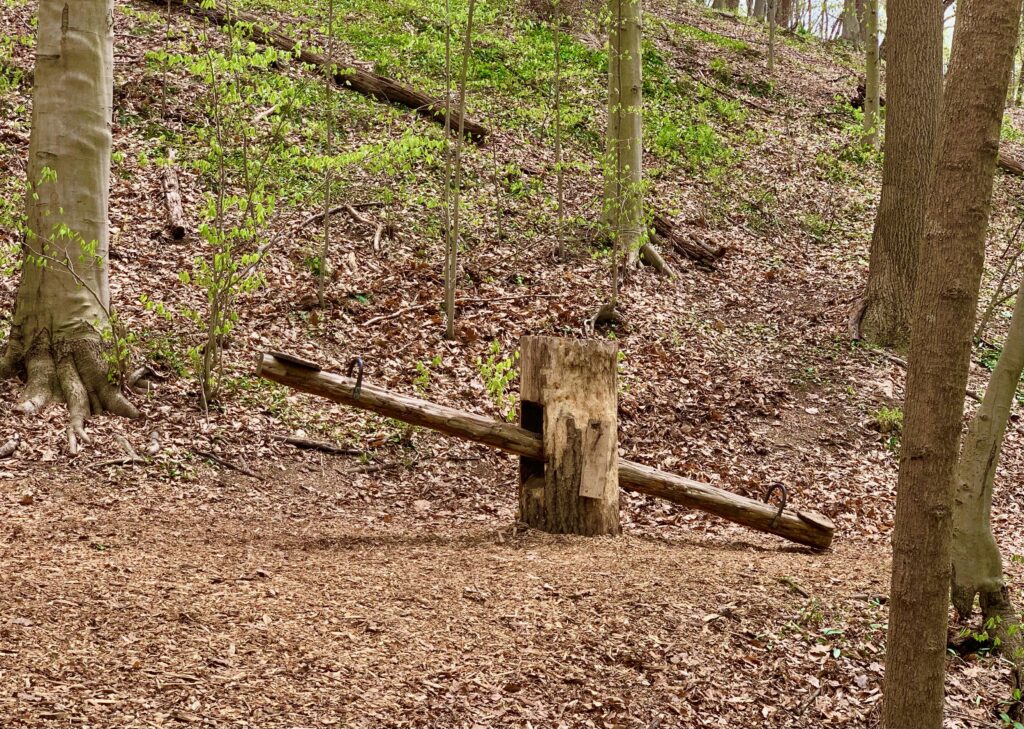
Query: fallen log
x,y
690,246
1011,166
370,84
172,195
808,528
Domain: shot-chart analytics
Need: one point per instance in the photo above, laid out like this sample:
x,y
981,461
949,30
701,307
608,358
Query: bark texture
x,y
63,297
623,193
944,310
913,97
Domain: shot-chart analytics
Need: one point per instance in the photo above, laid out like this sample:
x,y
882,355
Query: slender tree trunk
x,y
559,172
760,9
940,349
913,96
977,563
64,298
325,251
452,263
871,94
623,200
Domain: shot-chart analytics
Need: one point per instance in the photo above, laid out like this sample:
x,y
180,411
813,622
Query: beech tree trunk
x,y
623,179
940,349
977,563
913,96
760,9
63,298
851,23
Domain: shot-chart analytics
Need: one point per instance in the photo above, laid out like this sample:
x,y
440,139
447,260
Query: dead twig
x,y
224,463
316,445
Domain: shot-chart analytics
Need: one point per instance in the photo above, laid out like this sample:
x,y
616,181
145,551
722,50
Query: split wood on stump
x,y
568,394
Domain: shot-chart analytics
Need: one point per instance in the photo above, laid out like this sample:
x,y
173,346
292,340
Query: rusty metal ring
x,y
356,362
785,499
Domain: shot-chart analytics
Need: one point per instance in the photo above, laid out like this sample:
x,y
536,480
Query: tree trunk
x,y
784,14
623,185
63,298
913,95
940,349
977,563
851,23
871,84
760,9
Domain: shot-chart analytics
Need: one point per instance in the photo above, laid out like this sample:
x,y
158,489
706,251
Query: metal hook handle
x,y
356,362
785,499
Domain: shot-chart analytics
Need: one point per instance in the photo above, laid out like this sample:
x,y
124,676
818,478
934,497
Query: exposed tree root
x,y
72,372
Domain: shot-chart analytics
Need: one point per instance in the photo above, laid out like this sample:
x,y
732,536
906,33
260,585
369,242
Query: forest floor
x,y
271,587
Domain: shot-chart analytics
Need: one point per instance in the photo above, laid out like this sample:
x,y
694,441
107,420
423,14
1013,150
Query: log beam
x,y
803,527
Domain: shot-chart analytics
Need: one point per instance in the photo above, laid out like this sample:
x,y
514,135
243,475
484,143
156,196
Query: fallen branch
x,y
226,464
1010,165
316,445
370,84
687,244
172,196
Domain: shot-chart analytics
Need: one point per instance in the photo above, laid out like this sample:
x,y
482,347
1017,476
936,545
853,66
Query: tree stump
x,y
569,396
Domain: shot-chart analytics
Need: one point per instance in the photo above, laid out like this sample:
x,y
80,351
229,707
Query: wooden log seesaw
x,y
567,442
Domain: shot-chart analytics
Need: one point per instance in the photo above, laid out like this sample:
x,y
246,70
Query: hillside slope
x,y
742,376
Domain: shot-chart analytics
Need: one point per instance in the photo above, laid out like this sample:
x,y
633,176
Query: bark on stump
x,y
569,396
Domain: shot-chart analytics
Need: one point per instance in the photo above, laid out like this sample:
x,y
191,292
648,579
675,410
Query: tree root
x,y
72,372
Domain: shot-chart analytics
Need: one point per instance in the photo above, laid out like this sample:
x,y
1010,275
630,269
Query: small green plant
x,y
816,226
422,380
888,422
497,372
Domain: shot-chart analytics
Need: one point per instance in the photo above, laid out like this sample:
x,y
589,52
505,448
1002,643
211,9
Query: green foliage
x,y
707,36
498,372
422,380
888,421
817,227
1009,131
243,166
695,145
